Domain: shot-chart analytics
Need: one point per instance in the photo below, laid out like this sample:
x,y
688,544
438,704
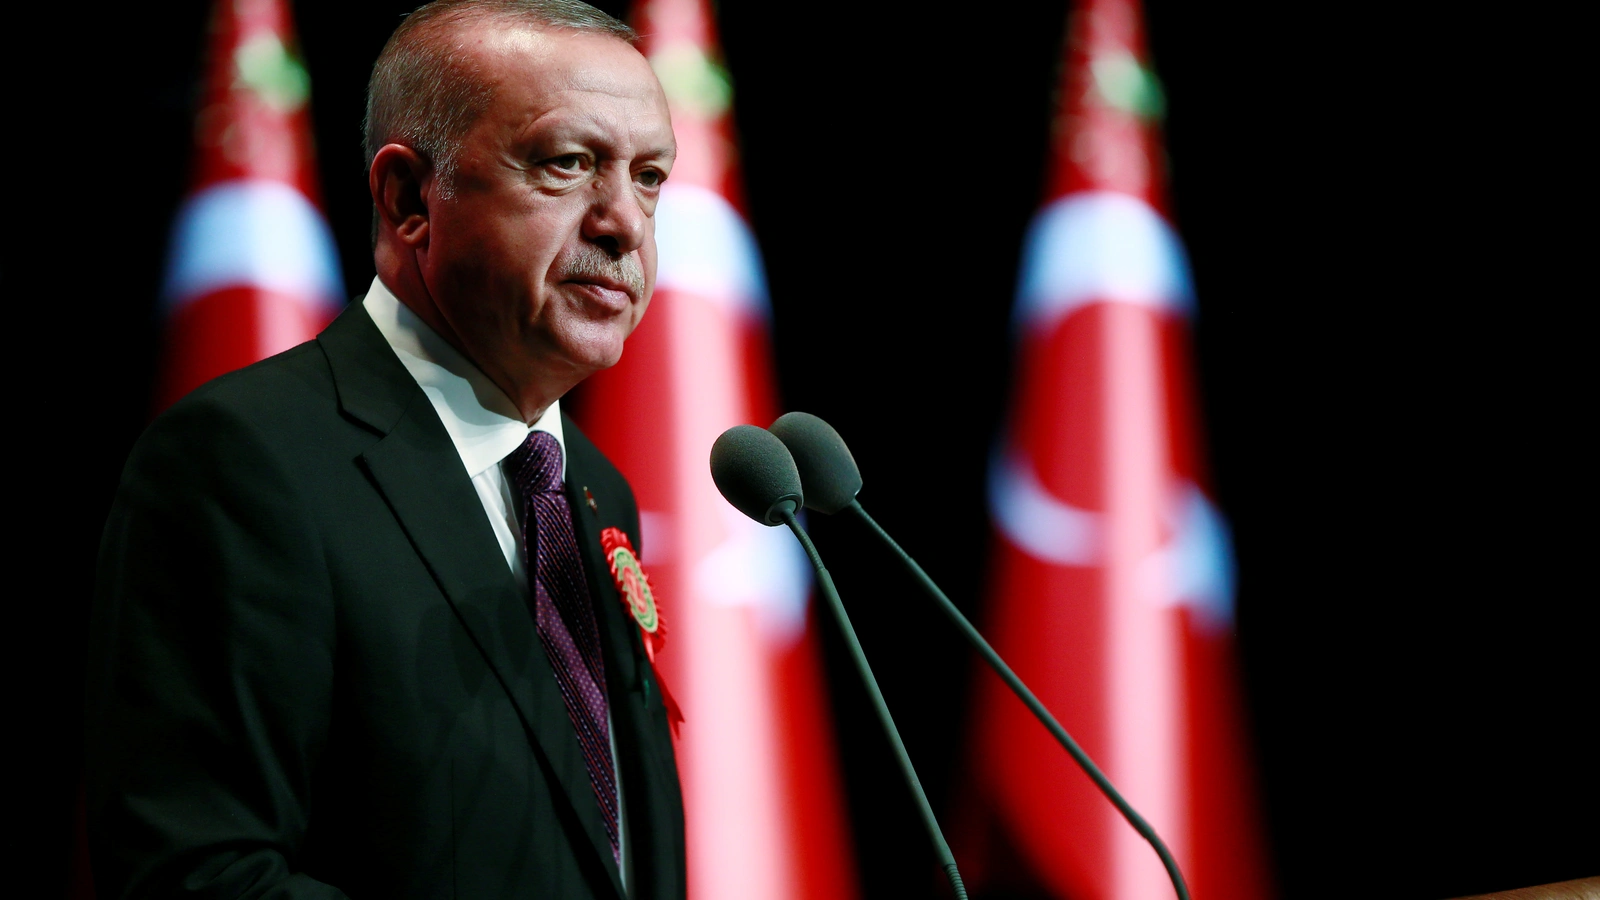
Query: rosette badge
x,y
634,587
633,584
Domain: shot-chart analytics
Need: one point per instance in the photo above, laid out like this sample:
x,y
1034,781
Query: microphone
x,y
757,474
828,473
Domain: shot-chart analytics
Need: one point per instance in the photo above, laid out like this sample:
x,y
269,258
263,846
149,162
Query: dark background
x,y
1382,210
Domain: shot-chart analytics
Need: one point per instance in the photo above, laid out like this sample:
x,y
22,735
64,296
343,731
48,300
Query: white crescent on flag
x,y
1109,247
1195,565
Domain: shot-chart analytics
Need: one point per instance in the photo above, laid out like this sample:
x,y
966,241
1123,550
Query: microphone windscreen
x,y
755,472
828,473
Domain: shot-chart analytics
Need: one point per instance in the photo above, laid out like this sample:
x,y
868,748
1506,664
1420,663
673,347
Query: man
x,y
355,634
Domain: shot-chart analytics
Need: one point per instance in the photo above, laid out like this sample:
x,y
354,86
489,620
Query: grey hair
x,y
425,91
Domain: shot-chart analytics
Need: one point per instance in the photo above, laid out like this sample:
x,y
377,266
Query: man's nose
x,y
616,218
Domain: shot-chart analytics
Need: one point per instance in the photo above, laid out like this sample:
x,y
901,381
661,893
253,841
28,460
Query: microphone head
x,y
756,474
828,472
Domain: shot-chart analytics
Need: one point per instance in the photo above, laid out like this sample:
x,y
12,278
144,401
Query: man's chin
x,y
593,356
607,361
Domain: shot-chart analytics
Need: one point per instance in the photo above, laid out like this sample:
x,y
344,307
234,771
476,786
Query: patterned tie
x,y
562,609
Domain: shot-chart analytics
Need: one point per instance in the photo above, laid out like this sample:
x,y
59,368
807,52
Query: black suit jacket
x,y
312,674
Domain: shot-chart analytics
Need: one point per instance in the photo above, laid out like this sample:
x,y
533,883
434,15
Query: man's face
x,y
541,255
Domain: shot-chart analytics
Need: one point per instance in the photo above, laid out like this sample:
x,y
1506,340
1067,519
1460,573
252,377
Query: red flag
x,y
252,268
762,796
1112,586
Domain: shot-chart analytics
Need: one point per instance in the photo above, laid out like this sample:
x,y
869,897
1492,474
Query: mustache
x,y
592,263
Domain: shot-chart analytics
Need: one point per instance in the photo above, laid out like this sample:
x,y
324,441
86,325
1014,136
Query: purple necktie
x,y
562,609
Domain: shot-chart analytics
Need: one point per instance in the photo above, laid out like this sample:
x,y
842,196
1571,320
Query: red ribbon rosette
x,y
634,588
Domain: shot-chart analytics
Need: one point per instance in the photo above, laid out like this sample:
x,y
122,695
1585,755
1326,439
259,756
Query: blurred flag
x,y
1112,590
766,819
252,269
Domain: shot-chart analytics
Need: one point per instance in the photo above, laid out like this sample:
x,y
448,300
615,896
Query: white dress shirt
x,y
485,427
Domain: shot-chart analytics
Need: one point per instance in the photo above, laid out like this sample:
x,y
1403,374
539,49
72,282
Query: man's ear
x,y
396,180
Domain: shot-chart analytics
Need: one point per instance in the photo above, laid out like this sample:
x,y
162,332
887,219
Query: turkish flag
x,y
252,269
1112,583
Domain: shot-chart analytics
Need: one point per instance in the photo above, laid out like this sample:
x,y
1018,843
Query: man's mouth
x,y
609,280
609,297
609,284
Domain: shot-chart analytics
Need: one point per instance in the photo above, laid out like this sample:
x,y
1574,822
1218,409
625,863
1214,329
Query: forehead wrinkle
x,y
578,123
613,125
603,81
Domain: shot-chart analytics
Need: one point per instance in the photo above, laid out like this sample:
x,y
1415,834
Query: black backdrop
x,y
1390,345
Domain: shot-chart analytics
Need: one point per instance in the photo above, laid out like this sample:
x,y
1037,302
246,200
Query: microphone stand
x,y
1011,680
942,849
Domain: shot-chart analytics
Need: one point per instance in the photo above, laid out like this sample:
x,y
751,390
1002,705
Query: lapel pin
x,y
593,506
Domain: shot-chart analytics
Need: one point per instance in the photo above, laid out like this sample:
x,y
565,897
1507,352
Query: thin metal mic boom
x,y
1021,690
947,860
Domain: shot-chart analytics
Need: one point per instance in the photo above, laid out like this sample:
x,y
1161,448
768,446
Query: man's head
x,y
515,155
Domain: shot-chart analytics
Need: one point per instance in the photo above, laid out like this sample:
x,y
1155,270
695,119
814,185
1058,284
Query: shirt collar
x,y
483,423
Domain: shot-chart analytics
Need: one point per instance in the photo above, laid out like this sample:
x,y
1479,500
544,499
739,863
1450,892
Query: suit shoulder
x,y
278,413
288,384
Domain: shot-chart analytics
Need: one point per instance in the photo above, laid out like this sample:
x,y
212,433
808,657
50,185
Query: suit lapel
x,y
620,640
416,468
614,627
644,745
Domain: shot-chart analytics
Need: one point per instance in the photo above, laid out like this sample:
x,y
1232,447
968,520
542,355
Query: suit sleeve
x,y
211,668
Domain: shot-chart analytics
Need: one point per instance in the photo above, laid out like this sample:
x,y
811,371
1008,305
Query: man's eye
x,y
651,177
570,162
